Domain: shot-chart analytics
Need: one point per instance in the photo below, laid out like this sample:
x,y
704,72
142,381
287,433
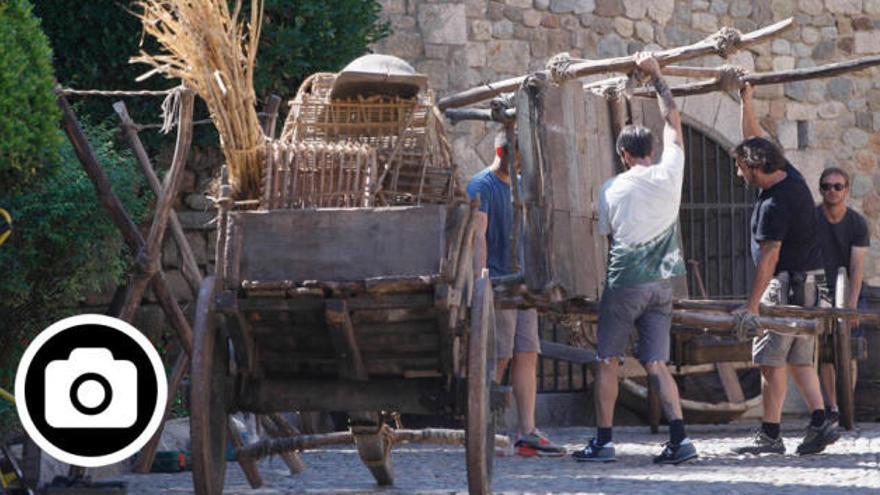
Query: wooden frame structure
x,y
565,131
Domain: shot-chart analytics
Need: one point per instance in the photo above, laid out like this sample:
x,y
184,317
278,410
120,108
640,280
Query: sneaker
x,y
676,453
762,444
817,438
536,444
833,417
595,453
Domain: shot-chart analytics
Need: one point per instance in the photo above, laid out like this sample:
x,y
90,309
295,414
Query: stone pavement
x,y
851,466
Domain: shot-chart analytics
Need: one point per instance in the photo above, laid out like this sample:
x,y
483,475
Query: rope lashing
x,y
558,66
500,105
171,110
730,78
746,323
726,41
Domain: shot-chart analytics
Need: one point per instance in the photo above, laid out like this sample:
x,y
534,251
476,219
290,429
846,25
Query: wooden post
x,y
270,110
149,257
188,266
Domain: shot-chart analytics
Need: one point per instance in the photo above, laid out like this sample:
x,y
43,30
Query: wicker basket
x,y
318,175
414,159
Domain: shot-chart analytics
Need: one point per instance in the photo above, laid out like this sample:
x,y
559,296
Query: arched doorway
x,y
716,209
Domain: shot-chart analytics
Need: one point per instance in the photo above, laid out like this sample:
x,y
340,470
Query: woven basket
x,y
318,175
414,158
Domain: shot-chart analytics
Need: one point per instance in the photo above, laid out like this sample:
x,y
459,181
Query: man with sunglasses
x,y
845,239
789,270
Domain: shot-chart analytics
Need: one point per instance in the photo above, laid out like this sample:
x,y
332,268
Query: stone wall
x,y
460,44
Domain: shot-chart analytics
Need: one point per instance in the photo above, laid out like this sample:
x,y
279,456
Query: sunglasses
x,y
837,186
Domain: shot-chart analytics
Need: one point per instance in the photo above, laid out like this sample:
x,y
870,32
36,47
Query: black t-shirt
x,y
786,212
838,239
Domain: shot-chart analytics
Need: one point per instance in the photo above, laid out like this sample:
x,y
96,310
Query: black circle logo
x,y
91,390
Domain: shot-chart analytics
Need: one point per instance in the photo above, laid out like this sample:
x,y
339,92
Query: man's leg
x,y
606,391
523,377
807,381
654,342
822,431
829,384
774,384
527,345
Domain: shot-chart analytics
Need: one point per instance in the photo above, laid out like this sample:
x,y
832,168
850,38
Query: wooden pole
x,y
149,256
620,64
776,77
188,266
780,311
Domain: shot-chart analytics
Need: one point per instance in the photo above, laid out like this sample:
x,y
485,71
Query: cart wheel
x,y
208,401
480,433
843,356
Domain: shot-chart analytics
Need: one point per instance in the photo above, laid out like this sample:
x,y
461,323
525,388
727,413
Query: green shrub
x,y
299,37
64,244
307,36
27,103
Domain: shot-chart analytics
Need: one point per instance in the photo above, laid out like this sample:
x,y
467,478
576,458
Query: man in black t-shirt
x,y
844,236
788,262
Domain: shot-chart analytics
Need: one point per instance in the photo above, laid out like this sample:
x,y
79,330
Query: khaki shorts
x,y
775,349
516,331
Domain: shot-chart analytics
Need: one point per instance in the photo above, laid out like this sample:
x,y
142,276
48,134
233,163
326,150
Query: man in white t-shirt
x,y
638,210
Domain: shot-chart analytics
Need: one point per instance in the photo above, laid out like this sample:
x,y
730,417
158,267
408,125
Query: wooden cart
x,y
365,310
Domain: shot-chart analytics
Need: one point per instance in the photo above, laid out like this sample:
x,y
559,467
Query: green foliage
x,y
307,36
27,103
64,244
93,41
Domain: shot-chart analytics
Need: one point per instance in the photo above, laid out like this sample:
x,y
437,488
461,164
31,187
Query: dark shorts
x,y
646,308
776,349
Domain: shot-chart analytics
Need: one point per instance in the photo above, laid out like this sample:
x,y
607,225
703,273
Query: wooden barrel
x,y
867,397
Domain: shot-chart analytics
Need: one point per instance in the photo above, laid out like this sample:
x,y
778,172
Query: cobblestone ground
x,y
851,466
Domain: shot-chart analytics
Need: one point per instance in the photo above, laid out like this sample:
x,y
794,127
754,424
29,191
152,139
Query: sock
x,y
818,418
676,431
770,429
830,409
603,436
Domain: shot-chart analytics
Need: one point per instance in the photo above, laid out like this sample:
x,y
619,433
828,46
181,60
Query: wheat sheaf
x,y
212,52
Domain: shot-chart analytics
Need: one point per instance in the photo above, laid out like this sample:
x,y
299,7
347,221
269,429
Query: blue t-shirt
x,y
496,203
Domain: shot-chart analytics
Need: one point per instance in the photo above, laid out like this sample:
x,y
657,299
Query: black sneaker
x,y
817,438
833,417
595,453
676,453
762,444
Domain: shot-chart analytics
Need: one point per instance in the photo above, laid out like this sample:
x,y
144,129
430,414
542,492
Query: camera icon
x,y
91,390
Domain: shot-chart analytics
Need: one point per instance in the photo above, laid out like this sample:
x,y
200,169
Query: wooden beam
x,y
351,363
776,77
408,395
780,311
189,267
619,64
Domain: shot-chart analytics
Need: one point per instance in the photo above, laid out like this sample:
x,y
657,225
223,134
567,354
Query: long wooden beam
x,y
619,64
780,311
775,77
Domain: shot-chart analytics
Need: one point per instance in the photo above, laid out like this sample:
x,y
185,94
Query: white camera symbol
x,y
91,390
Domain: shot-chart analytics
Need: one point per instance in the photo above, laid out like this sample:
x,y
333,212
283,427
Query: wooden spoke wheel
x,y
480,433
843,355
209,408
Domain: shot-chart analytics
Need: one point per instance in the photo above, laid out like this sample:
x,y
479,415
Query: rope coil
x,y
559,68
726,41
730,78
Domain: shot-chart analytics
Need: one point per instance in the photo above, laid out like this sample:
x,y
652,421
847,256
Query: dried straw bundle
x,y
213,53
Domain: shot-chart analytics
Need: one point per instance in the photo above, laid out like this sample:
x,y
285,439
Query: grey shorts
x,y
644,307
516,331
776,349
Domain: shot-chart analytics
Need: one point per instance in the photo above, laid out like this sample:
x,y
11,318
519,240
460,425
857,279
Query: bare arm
x,y
857,273
768,258
751,127
672,131
481,224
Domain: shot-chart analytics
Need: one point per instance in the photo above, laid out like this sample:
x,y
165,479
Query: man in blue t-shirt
x,y
788,259
516,331
845,238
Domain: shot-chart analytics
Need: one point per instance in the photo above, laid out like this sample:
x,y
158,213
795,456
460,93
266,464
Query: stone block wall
x,y
462,43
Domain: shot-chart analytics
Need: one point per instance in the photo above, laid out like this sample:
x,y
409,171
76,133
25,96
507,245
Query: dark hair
x,y
637,140
834,171
758,152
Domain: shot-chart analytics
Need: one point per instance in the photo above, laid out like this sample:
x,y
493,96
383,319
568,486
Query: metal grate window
x,y
715,215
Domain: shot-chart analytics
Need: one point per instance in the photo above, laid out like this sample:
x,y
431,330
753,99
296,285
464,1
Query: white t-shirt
x,y
639,209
